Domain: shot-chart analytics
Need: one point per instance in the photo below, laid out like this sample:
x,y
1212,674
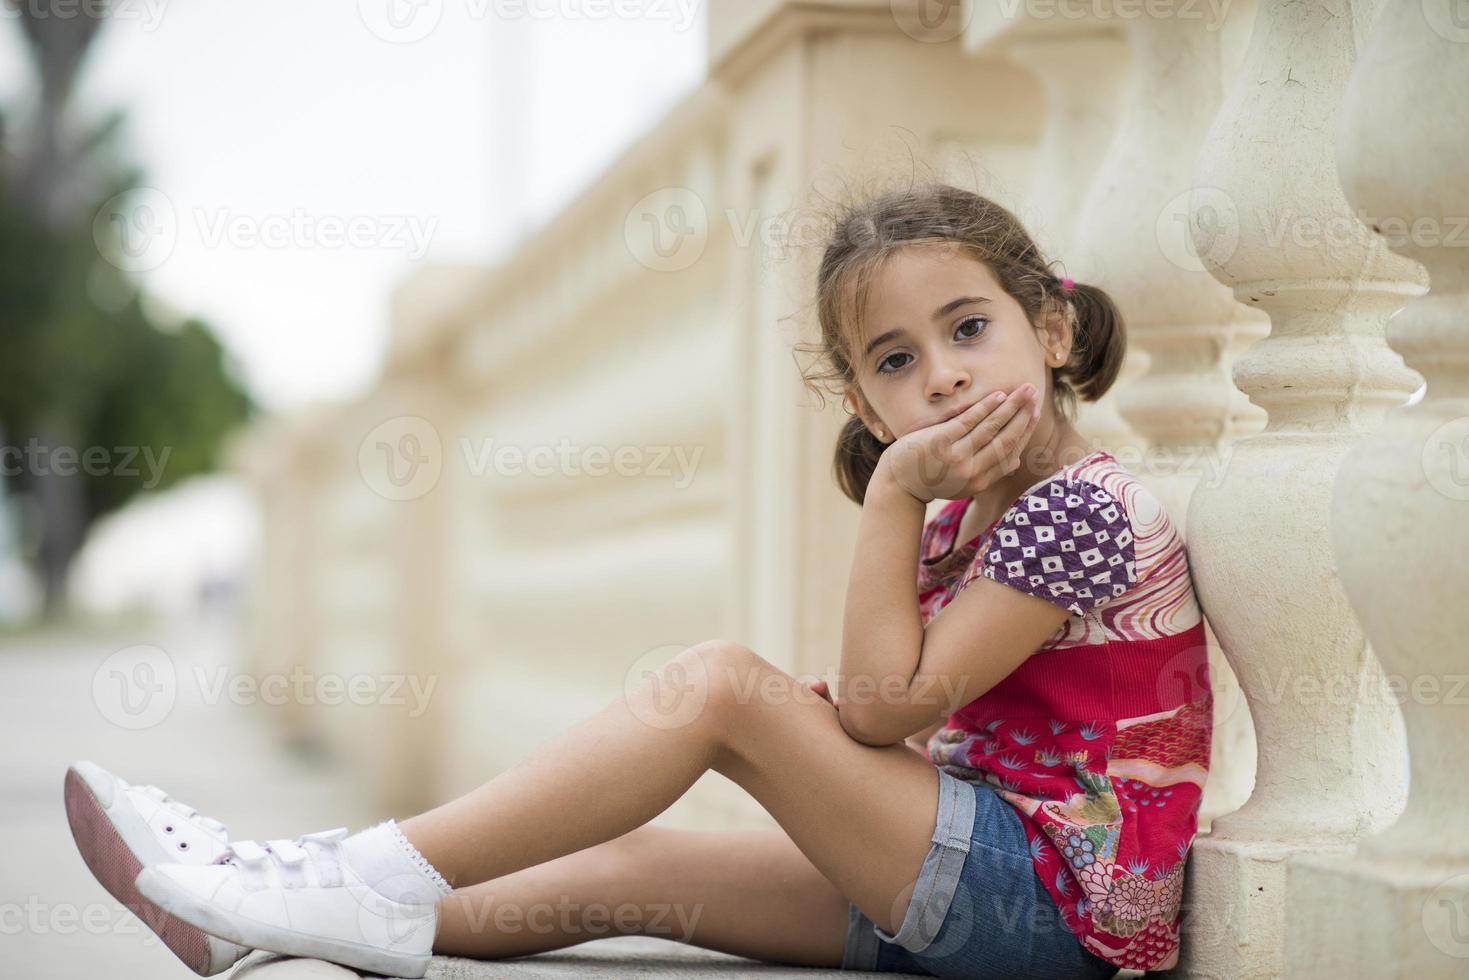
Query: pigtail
x,y
1100,343
857,453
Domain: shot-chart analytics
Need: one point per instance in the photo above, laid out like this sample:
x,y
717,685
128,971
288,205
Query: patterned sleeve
x,y
1066,541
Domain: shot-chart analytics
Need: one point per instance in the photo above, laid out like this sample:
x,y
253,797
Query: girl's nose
x,y
947,381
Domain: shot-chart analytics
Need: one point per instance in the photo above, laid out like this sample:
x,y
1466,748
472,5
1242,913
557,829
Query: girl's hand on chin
x,y
968,453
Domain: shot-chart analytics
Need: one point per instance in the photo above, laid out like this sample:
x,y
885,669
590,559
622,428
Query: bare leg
x,y
751,893
862,815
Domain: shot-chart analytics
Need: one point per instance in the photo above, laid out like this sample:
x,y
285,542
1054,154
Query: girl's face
x,y
941,335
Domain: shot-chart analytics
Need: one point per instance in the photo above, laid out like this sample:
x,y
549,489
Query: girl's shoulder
x,y
1094,500
1100,479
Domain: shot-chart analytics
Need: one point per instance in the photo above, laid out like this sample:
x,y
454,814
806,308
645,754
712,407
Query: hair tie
x,y
1066,283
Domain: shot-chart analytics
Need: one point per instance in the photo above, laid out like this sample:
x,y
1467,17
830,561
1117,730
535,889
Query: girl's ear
x,y
856,406
1057,338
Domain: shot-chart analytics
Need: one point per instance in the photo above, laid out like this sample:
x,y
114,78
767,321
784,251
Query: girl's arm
x,y
897,676
882,630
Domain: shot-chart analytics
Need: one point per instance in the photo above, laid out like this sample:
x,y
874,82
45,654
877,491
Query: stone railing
x,y
1215,167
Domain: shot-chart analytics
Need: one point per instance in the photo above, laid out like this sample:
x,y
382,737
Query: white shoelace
x,y
310,859
213,827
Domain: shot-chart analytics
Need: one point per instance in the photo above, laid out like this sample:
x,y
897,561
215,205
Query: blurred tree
x,y
84,367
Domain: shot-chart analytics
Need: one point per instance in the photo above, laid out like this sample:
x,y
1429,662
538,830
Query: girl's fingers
x,y
1012,458
983,430
974,414
1001,454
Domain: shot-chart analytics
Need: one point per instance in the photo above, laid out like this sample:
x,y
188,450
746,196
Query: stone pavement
x,y
617,957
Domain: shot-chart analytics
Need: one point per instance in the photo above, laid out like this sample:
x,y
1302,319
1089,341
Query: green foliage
x,y
83,362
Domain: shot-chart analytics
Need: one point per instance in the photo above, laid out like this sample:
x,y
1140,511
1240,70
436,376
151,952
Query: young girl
x,y
1005,784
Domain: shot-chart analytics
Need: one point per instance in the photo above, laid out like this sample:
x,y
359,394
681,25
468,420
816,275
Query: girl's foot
x,y
355,903
122,829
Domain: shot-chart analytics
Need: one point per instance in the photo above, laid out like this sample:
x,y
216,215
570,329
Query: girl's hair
x,y
866,234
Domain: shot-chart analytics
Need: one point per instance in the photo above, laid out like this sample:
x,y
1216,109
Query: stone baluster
x,y
1082,78
1399,907
1269,221
1134,240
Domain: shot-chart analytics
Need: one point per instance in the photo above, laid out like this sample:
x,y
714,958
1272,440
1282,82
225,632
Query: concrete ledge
x,y
616,956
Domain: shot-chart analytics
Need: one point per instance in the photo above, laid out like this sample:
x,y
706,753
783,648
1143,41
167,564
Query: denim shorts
x,y
979,910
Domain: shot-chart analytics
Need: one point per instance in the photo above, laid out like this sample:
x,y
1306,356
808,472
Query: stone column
x,y
1270,222
1134,240
1399,907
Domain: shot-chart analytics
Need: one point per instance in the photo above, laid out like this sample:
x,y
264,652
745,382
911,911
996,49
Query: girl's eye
x,y
883,369
981,321
977,322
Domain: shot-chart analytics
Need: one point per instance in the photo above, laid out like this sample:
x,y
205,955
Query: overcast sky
x,y
416,130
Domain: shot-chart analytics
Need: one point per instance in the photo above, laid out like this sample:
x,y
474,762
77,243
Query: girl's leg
x,y
862,815
751,893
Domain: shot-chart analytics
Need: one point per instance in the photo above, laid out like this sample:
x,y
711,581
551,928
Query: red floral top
x,y
1101,738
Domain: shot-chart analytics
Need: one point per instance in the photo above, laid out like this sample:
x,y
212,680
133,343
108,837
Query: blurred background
x,y
386,385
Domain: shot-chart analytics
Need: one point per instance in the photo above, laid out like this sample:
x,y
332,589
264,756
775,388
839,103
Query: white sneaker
x,y
121,829
301,898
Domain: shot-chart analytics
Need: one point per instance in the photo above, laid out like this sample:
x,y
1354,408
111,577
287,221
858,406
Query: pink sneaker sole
x,y
116,867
